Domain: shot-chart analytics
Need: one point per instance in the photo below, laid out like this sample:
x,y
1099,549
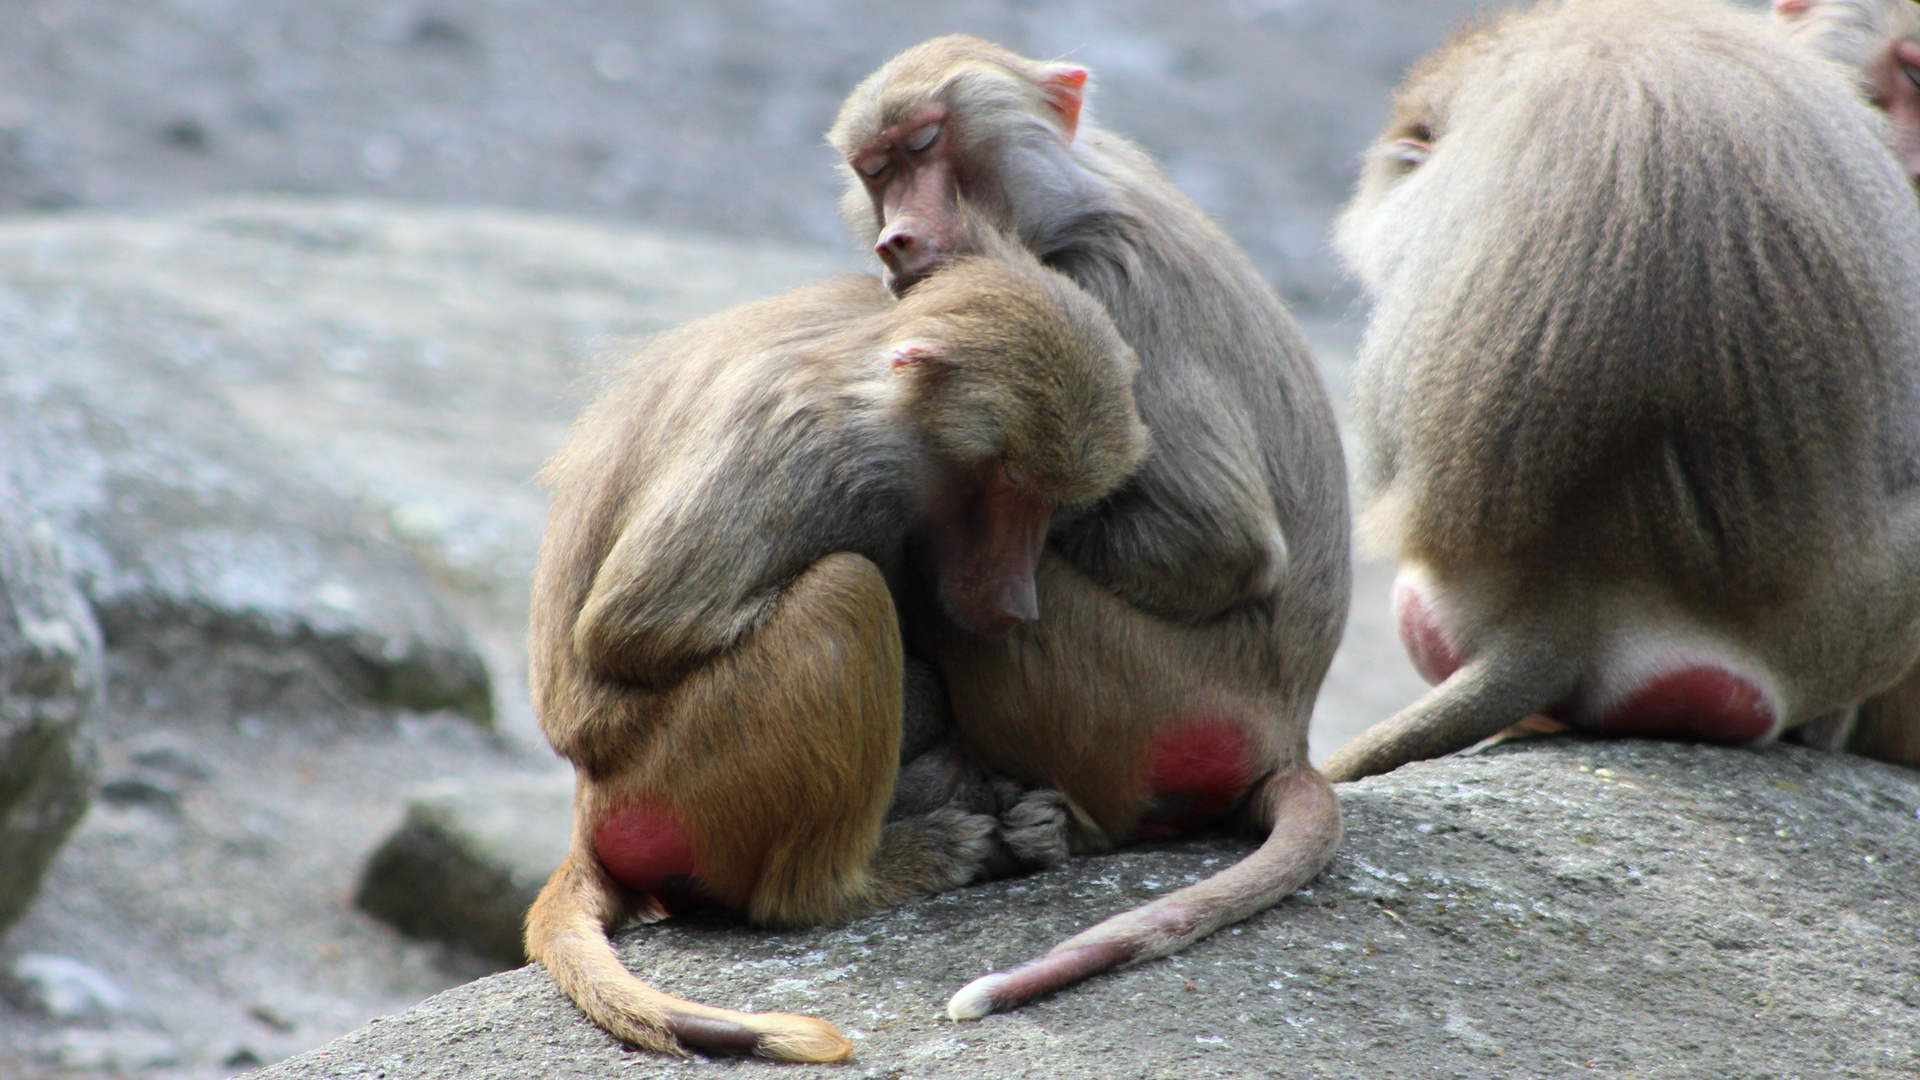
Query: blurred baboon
x,y
1189,618
1640,383
714,635
1880,41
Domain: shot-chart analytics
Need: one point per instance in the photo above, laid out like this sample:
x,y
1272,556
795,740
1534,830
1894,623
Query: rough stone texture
x,y
469,859
50,681
422,361
191,532
1552,908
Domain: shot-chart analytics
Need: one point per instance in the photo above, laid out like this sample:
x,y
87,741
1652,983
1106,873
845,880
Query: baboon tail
x,y
1306,830
567,934
1504,685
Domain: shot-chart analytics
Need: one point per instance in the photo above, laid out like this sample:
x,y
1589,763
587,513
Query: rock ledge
x,y
1601,908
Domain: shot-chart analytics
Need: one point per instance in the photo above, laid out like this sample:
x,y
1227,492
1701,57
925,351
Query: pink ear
x,y
1065,87
918,351
1791,7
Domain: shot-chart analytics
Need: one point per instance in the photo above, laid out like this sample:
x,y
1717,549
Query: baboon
x,y
1189,617
1879,40
714,640
1640,383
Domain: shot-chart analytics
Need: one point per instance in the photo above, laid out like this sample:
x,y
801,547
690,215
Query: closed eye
x,y
871,167
1409,154
1412,150
923,137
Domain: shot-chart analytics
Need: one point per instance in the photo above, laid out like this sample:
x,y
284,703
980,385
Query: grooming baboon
x,y
1640,383
714,637
1188,619
1880,41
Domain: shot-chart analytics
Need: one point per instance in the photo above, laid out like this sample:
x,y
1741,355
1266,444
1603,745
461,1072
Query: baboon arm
x,y
1188,538
641,622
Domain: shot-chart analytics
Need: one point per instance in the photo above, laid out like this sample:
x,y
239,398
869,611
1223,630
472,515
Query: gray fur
x,y
1647,343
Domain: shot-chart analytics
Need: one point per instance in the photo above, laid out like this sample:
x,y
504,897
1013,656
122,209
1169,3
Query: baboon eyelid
x,y
923,138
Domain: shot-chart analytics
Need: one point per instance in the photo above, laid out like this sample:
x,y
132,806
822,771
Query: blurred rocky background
x,y
294,299
699,115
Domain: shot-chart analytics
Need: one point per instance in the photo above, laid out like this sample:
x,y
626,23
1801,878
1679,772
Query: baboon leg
x,y
764,788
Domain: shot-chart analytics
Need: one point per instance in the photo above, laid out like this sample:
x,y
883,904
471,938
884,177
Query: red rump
x,y
646,849
1206,764
1421,636
1707,703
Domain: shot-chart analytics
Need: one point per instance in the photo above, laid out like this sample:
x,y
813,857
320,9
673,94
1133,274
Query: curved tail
x,y
1306,831
567,933
1502,686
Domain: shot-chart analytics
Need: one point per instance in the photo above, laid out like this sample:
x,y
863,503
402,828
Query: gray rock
x,y
67,990
469,859
189,531
112,1052
1634,908
50,685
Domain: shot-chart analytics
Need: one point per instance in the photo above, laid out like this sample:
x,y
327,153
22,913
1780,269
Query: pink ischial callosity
x,y
647,849
1702,702
1199,769
1421,634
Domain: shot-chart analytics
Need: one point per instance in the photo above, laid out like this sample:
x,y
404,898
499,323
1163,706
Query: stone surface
x,y
65,989
702,115
469,859
192,533
50,683
1551,908
113,1053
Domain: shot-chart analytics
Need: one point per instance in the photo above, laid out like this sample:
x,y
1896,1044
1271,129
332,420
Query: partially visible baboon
x,y
1642,383
714,635
1187,619
1880,41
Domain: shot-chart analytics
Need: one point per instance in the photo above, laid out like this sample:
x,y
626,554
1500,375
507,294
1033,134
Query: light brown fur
x,y
1644,366
714,634
1214,583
